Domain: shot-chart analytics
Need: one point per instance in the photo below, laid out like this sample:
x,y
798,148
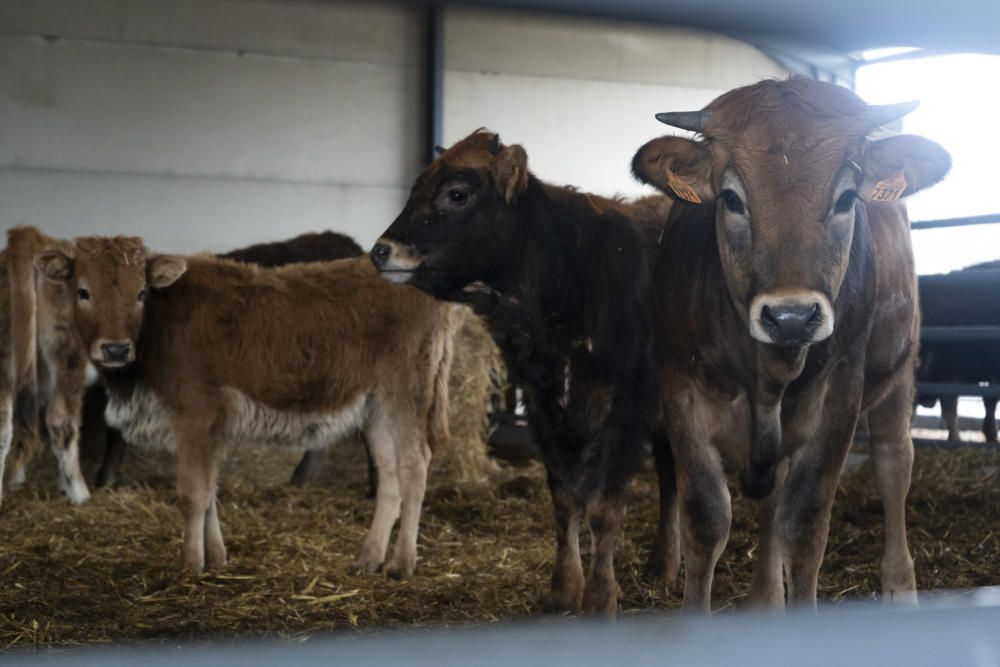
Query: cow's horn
x,y
685,120
886,113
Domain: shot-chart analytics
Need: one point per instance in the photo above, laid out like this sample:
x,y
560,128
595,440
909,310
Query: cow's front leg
x,y
196,480
802,520
604,518
892,453
567,577
705,506
62,420
990,420
665,559
767,589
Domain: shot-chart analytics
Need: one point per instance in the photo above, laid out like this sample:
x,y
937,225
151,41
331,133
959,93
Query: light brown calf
x,y
43,363
199,351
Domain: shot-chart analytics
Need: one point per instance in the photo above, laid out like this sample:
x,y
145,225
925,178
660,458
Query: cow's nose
x,y
380,254
791,324
115,352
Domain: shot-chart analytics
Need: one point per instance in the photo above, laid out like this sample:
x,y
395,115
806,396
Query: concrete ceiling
x,y
846,26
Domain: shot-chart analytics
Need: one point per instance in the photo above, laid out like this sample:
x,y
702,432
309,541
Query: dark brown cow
x,y
787,258
564,276
199,351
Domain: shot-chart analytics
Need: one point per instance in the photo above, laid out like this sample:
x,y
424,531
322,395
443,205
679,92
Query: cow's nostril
x,y
380,254
767,317
115,351
817,316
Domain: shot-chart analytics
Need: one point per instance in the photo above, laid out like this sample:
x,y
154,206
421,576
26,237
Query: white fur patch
x,y
251,420
145,421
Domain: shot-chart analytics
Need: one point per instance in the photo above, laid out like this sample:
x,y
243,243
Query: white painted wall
x,y
211,124
579,93
207,124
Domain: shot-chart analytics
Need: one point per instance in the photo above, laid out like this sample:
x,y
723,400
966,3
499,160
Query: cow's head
x,y
789,167
110,278
458,225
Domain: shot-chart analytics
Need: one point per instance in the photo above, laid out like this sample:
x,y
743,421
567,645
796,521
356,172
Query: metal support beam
x,y
990,219
433,81
959,334
948,389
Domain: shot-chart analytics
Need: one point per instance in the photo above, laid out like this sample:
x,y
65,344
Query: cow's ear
x,y
510,169
164,270
679,167
899,166
54,265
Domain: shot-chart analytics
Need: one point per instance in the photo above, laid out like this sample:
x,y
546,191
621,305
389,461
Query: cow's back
x,y
295,338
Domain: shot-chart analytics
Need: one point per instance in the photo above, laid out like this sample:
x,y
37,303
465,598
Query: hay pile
x,y
108,571
474,370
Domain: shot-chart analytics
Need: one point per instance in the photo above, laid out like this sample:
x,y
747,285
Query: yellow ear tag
x,y
889,189
682,189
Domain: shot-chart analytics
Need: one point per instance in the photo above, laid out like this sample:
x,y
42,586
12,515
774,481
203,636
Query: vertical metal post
x,y
433,80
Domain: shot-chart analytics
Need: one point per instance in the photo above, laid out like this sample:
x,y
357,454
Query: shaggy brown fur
x,y
198,351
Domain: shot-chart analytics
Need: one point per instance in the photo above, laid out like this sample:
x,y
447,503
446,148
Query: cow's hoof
x,y
600,601
366,566
215,558
559,603
76,491
402,567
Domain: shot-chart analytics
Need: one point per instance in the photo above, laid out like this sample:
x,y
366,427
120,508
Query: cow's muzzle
x,y
112,353
394,261
791,319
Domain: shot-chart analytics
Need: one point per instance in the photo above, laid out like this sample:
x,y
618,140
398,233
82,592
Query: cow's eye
x,y
83,294
845,201
457,196
142,295
733,202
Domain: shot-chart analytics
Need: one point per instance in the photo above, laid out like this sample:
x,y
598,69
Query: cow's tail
x,y
23,243
442,346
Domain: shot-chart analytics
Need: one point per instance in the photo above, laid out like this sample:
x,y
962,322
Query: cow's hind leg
x,y
604,518
308,468
387,501
62,420
949,415
665,559
566,594
990,420
196,480
413,455
892,453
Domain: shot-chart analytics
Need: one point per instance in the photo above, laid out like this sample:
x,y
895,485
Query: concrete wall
x,y
210,124
207,124
580,94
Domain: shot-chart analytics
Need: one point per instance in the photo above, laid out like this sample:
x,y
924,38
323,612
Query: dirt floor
x,y
109,571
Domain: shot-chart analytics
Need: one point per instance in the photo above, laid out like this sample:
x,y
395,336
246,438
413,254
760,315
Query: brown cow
x,y
44,362
199,351
788,259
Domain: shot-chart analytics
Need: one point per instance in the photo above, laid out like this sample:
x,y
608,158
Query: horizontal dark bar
x,y
948,444
976,277
988,219
949,389
957,334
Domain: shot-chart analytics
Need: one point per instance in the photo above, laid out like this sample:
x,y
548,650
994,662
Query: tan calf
x,y
43,373
199,351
